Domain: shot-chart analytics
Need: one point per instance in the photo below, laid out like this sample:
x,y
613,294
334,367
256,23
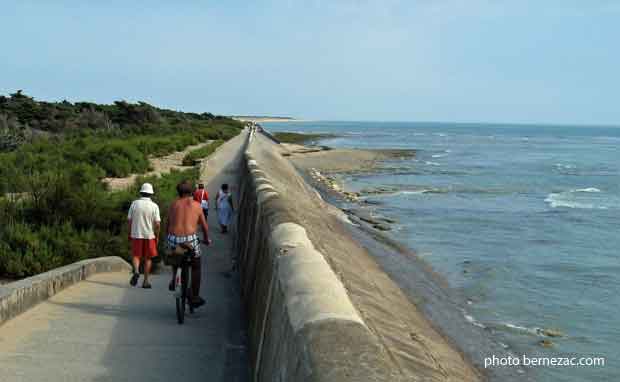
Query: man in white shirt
x,y
144,223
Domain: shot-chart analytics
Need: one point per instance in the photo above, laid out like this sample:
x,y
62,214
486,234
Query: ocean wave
x,y
424,191
533,331
522,329
570,199
557,201
565,166
400,190
391,193
432,163
589,189
469,318
438,155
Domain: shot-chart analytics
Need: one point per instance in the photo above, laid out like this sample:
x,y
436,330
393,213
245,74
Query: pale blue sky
x,y
415,60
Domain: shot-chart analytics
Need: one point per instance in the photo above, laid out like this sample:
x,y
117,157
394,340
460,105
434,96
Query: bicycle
x,y
184,253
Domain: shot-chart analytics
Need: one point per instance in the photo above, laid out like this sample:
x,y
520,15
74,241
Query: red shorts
x,y
146,248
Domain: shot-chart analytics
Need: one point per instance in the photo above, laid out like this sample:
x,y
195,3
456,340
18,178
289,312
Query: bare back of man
x,y
185,218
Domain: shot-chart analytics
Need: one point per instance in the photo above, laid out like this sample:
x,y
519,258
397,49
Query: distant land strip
x,y
263,118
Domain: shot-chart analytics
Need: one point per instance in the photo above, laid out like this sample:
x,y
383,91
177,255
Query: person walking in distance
x,y
185,217
201,195
224,207
144,223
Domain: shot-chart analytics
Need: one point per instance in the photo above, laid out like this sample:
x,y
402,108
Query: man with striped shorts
x,y
185,217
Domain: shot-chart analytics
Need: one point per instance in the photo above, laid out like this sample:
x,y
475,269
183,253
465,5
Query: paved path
x,y
104,330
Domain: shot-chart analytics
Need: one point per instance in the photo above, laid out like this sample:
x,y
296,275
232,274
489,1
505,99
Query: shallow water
x,y
522,220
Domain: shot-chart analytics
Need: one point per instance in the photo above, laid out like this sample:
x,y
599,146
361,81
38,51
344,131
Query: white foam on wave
x,y
558,201
565,166
472,320
438,155
416,192
589,189
432,163
567,200
534,331
404,192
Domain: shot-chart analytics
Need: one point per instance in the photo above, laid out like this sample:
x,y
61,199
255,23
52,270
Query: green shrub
x,y
72,222
190,158
54,209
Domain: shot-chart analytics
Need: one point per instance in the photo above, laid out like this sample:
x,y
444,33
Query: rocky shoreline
x,y
362,214
358,210
325,167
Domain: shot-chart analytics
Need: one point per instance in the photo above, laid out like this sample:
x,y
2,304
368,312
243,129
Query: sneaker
x,y
134,279
147,286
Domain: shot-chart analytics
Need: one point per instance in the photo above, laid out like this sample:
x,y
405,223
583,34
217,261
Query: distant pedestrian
x,y
144,222
201,195
224,207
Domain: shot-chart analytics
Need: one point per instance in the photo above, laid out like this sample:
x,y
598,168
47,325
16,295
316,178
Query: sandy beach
x,y
338,160
267,119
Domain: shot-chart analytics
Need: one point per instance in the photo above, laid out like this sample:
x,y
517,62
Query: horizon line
x,y
550,124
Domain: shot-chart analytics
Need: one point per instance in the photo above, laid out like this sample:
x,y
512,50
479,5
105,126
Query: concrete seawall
x,y
19,296
303,326
319,308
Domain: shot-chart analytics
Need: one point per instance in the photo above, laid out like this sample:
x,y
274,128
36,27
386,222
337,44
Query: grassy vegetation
x,y
299,138
203,152
65,213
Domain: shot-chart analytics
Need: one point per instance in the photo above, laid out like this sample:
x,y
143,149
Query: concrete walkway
x,y
104,330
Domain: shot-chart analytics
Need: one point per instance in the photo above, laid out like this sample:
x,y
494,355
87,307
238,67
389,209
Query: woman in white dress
x,y
224,207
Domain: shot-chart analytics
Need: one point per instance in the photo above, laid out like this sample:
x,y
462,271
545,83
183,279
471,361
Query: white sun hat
x,y
147,188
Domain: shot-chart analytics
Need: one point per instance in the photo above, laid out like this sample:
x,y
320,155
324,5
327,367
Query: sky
x,y
520,61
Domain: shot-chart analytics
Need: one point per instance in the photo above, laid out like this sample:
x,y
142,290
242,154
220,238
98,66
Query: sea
x,y
523,221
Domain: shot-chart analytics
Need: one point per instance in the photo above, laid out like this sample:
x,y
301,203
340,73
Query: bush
x,y
70,224
54,208
190,158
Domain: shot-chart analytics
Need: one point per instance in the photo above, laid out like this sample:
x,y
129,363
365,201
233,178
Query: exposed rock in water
x,y
378,191
551,332
382,227
388,220
546,343
364,216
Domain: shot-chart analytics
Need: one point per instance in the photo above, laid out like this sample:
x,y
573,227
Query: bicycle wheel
x,y
183,300
189,298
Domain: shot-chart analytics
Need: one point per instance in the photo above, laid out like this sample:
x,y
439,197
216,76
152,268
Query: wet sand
x,y
339,160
